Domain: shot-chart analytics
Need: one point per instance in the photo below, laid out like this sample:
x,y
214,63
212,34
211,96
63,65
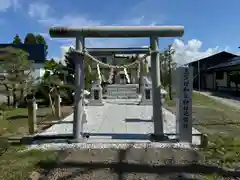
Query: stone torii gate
x,y
151,32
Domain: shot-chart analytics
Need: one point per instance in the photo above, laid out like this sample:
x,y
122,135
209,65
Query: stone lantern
x,y
96,94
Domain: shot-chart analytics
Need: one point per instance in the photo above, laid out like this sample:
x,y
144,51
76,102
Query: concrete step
x,y
122,97
122,91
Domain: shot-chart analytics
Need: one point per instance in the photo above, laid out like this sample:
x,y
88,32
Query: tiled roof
x,y
233,62
214,55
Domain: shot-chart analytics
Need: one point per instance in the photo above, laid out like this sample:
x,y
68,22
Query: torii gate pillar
x,y
79,89
156,87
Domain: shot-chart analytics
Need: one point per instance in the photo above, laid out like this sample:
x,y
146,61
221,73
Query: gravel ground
x,y
131,163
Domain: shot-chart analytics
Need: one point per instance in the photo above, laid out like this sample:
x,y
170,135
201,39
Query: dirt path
x,y
228,100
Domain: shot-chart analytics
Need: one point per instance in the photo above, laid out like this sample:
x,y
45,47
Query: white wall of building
x,y
38,70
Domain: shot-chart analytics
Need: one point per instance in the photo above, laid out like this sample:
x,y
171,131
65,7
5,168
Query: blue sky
x,y
210,26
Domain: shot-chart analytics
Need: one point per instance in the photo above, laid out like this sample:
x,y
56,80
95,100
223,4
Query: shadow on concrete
x,y
67,138
137,120
131,136
56,122
121,167
121,136
124,102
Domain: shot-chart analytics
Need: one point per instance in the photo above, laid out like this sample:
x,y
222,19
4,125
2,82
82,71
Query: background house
x,y
222,73
36,55
212,72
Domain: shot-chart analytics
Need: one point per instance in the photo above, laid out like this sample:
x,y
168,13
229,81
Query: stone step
x,y
124,91
129,95
120,93
122,97
123,85
121,88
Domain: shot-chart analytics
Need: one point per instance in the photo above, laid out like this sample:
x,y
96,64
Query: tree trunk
x,y
8,95
15,102
51,104
8,100
161,74
170,79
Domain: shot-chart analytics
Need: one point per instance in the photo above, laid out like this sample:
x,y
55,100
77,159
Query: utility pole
x,y
160,61
199,77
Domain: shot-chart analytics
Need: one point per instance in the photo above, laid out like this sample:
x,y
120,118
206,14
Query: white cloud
x,y
64,50
39,10
186,52
140,20
44,14
7,4
191,51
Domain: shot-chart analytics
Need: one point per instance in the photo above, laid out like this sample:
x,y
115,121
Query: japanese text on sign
x,y
185,99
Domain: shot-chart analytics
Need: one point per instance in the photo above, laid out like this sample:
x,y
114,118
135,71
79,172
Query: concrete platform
x,y
119,121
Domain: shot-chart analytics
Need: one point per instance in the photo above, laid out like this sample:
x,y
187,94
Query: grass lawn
x,y
19,166
15,122
14,165
221,123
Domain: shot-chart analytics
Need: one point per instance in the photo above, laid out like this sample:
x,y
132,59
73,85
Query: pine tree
x,y
18,68
70,67
89,75
40,40
30,39
17,40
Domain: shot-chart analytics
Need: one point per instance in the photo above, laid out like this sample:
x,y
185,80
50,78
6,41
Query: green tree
x,y
89,75
52,83
170,52
30,39
17,40
145,66
70,67
166,66
18,70
40,40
